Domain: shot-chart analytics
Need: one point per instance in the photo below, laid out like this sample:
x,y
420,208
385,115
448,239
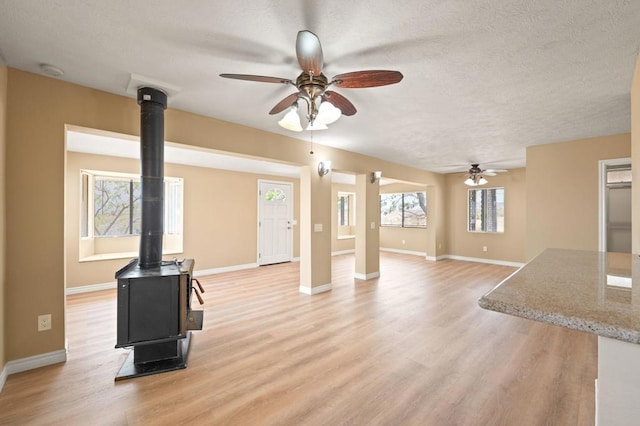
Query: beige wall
x,y
508,246
635,159
3,109
38,109
408,239
562,192
220,205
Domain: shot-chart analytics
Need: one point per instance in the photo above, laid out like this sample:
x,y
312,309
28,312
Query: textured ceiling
x,y
484,79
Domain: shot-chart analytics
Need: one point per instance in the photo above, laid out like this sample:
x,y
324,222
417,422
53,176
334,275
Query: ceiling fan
x,y
323,106
475,175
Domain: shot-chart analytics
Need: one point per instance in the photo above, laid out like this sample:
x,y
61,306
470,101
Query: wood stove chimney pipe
x,y
152,103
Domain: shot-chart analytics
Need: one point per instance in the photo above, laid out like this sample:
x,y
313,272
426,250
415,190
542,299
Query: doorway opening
x,y
615,205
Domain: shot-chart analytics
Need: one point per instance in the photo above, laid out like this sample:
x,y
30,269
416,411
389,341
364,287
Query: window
x,y
275,195
112,204
173,206
116,206
343,210
406,210
110,215
486,210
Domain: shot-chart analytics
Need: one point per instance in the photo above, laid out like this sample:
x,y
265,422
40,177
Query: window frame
x,y
343,205
402,212
484,207
91,182
94,247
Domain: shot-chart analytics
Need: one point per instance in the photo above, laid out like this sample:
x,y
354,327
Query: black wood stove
x,y
154,296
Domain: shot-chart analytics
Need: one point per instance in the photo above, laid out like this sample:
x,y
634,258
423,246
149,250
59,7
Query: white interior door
x,y
275,222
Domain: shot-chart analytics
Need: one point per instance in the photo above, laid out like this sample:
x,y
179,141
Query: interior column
x,y
315,231
367,228
432,218
635,159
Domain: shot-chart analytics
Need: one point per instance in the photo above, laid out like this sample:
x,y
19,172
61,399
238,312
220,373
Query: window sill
x,y
124,255
346,237
486,232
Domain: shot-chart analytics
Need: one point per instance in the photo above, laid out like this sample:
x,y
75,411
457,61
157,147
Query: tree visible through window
x,y
112,204
407,210
116,206
486,210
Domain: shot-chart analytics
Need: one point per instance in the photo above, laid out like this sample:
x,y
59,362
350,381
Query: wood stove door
x,y
275,222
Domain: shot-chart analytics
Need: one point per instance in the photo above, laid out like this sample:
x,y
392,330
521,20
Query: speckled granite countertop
x,y
589,291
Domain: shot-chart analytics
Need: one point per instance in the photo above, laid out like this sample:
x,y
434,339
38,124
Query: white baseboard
x,y
3,377
315,290
481,260
436,258
90,288
454,257
341,252
413,253
36,361
365,277
224,269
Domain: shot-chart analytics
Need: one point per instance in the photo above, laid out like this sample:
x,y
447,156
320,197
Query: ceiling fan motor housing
x,y
312,85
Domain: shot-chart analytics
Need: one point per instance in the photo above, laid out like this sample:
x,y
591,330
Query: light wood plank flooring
x,y
410,348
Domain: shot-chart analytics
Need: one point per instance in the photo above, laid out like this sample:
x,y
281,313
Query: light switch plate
x,y
317,227
373,225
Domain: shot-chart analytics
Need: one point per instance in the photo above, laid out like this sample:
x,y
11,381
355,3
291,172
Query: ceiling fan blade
x,y
259,78
285,103
309,52
494,171
488,173
372,78
340,102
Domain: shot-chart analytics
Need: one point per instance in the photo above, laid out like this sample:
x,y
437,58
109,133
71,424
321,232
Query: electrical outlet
x,y
44,322
484,248
402,242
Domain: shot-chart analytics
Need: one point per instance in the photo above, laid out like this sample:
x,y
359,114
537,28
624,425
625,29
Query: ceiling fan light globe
x,y
482,181
327,113
470,182
291,121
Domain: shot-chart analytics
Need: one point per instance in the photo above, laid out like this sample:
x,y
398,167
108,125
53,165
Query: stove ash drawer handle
x,y
199,285
195,290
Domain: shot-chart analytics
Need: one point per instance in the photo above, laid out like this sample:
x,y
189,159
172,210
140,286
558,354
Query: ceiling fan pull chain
x,y
311,132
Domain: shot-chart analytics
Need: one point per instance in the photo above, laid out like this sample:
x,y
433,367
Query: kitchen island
x,y
593,292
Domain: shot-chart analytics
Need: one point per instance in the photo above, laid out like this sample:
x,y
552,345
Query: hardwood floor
x,y
409,348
